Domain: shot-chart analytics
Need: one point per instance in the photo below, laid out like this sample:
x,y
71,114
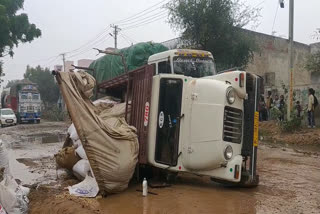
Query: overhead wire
x,y
144,18
91,47
129,37
275,17
144,23
142,12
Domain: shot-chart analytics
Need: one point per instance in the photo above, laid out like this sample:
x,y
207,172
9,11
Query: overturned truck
x,y
187,117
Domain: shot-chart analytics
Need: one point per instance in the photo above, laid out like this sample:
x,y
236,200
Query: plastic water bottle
x,y
144,187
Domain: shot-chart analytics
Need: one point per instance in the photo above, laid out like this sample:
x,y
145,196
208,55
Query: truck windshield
x,y
6,112
193,66
35,96
24,96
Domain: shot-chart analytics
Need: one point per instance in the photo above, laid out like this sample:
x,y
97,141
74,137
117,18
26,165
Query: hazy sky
x,y
68,25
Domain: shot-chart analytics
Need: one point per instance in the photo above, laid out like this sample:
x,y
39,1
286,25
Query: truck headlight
x,y
228,152
231,95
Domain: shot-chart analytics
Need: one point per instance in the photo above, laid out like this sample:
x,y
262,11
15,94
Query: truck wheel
x,y
38,121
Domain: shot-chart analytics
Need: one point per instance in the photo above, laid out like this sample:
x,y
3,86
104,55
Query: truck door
x,y
168,127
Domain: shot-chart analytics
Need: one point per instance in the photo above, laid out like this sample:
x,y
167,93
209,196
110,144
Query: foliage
x,y
53,113
215,25
275,113
291,125
14,28
11,83
48,88
313,62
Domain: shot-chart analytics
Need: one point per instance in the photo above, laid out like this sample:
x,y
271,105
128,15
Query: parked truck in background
x,y
191,119
24,99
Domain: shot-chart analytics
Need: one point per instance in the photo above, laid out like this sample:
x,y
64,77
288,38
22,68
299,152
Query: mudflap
x,y
247,181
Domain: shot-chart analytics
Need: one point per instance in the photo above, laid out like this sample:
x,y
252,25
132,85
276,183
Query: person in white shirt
x,y
311,122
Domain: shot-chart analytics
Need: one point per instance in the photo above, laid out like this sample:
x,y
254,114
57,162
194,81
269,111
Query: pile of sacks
x,y
13,197
73,157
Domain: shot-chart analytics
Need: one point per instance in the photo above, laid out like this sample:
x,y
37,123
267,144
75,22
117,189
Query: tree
x,y
313,62
14,29
216,26
49,90
11,83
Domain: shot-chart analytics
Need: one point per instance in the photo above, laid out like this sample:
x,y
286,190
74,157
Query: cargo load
x,y
110,144
110,66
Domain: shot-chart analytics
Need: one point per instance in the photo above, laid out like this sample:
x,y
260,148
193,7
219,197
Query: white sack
x,y
2,211
77,143
4,161
87,188
82,154
13,197
81,168
73,133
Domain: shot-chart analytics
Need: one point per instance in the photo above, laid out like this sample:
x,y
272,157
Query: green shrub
x,y
53,113
291,125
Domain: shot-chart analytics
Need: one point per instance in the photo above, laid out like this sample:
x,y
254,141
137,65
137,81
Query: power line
x,y
275,17
126,39
90,48
129,38
142,12
144,18
144,23
101,34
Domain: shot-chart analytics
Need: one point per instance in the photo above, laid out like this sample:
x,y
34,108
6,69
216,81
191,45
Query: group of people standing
x,y
265,106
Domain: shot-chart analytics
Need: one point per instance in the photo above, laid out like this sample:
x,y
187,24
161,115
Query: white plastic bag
x,y
87,188
4,161
82,154
73,133
2,211
77,143
13,197
81,169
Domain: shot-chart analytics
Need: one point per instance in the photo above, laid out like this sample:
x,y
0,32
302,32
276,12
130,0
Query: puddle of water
x,y
185,197
25,142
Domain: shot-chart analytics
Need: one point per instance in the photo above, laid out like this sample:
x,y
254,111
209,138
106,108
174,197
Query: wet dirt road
x,y
289,182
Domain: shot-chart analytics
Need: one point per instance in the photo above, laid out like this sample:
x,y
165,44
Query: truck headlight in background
x,y
231,95
228,152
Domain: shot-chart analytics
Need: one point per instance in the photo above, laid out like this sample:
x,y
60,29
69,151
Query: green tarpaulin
x,y
110,66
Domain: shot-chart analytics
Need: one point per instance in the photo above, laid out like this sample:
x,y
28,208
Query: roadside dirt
x,y
271,132
289,182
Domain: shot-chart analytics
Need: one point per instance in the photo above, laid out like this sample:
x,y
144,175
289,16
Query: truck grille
x,y
30,108
232,125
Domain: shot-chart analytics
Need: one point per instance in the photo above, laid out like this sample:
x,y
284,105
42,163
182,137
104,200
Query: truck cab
x,y
197,117
191,119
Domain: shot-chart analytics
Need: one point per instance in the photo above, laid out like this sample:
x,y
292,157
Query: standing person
x,y
277,102
311,122
269,104
298,108
262,109
281,107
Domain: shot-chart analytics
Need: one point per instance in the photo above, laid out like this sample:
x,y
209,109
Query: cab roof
x,y
179,52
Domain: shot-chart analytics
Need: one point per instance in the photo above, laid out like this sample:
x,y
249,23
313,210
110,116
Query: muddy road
x,y
289,181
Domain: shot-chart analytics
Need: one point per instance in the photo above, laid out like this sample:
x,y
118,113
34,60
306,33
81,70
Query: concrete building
x,y
84,62
271,61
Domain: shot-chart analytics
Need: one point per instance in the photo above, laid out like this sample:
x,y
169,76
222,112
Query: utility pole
x,y
291,56
115,35
291,59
